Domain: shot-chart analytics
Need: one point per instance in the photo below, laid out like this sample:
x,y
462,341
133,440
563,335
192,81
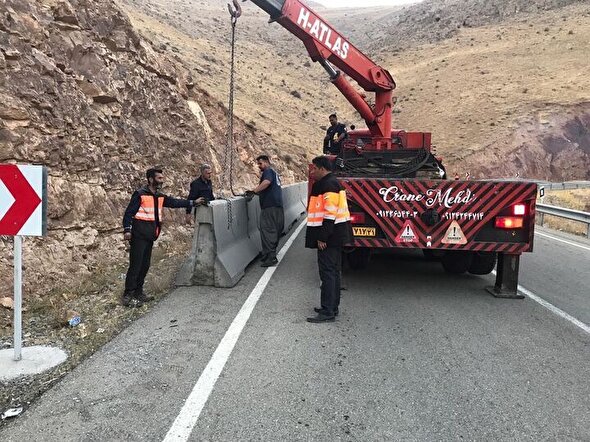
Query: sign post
x,y
541,214
23,209
18,297
22,212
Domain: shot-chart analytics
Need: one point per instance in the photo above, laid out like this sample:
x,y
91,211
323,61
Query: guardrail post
x,y
506,277
541,218
588,231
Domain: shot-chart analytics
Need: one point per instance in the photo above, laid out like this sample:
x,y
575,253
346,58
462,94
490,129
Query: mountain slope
x,y
493,94
434,20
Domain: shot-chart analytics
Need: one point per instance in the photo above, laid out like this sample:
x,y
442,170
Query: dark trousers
x,y
272,222
329,265
140,256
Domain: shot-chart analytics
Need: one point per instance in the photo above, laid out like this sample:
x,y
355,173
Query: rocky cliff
x,y
82,93
553,143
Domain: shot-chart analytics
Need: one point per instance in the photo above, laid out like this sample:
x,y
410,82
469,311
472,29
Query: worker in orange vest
x,y
328,229
142,223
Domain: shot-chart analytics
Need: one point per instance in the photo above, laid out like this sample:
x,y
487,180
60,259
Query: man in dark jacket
x,y
328,229
334,136
141,224
201,190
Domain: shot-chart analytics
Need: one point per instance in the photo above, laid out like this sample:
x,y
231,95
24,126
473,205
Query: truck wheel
x,y
483,263
457,261
358,259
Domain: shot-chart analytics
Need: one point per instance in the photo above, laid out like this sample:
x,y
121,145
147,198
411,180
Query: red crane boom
x,y
328,47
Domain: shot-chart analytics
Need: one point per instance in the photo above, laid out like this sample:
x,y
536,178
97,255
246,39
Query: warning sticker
x,y
407,234
454,235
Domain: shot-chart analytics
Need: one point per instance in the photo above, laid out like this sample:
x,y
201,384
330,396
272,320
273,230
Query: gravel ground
x,y
97,300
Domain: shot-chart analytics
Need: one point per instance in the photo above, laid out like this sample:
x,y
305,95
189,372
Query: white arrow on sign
x,y
6,199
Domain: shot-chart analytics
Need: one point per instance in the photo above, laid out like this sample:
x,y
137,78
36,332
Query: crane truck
x,y
398,192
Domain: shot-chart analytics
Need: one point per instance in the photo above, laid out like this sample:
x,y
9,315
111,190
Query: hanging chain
x,y
229,153
229,150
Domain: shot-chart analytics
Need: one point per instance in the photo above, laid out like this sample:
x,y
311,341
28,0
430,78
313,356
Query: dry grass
x,y
577,199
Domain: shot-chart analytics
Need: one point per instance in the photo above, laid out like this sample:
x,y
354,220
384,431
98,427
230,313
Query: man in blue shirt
x,y
272,218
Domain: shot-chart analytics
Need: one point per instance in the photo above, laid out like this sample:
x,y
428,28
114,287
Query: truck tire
x,y
358,258
457,261
483,263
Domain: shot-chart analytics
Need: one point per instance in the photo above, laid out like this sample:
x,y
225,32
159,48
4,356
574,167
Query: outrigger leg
x,y
506,277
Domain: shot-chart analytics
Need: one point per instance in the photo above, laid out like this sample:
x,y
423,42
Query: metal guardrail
x,y
573,215
565,185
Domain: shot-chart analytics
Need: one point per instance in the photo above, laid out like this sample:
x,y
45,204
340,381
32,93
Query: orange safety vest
x,y
147,210
329,206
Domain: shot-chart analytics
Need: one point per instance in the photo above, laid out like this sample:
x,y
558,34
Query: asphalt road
x,y
559,271
414,355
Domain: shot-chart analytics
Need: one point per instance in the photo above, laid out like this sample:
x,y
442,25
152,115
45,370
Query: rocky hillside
x,y
503,100
434,20
85,95
278,89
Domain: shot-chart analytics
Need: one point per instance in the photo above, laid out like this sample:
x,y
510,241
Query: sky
x,y
359,3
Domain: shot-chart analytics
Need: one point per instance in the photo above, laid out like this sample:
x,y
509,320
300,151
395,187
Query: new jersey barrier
x,y
226,237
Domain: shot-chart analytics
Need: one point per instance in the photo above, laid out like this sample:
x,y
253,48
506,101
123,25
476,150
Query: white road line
x,y
564,241
555,310
189,414
552,308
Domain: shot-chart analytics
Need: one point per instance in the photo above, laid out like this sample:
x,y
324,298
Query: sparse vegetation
x,y
577,199
97,299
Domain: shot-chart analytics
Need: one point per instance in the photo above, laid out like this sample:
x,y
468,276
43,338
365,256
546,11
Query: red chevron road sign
x,y
22,200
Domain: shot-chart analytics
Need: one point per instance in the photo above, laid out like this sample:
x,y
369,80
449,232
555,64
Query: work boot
x,y
321,310
269,263
321,317
144,297
128,300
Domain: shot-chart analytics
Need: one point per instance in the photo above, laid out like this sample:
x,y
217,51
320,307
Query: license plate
x,y
363,231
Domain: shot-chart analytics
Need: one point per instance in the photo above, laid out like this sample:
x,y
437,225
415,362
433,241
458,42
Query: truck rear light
x,y
509,222
518,209
357,218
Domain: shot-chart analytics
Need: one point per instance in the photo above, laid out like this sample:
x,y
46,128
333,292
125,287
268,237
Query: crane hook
x,y
236,11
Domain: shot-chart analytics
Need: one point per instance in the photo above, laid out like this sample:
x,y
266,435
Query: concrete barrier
x,y
226,237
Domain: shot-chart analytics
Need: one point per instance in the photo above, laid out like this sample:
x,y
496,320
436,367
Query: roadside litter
x,y
11,412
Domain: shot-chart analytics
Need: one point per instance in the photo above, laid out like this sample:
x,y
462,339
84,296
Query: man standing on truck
x,y
141,224
272,218
328,229
334,136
